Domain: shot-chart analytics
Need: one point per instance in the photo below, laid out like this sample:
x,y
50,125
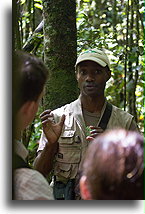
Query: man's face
x,y
91,78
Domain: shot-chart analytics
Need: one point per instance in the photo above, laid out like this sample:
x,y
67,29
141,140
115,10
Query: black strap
x,y
106,116
19,162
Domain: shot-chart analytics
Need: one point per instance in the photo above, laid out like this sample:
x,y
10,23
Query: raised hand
x,y
51,129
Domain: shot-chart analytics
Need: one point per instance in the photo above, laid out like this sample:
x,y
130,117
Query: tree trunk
x,y
126,54
114,19
60,51
130,66
17,40
137,61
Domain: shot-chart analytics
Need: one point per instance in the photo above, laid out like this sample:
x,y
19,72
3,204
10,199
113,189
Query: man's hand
x,y
51,129
95,131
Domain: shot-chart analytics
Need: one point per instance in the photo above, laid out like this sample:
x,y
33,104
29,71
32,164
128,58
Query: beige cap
x,y
95,55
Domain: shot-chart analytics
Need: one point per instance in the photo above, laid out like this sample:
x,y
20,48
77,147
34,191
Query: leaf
x,y
119,68
39,6
23,2
40,1
88,131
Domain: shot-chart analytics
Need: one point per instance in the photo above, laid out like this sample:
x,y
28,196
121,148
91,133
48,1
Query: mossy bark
x,y
60,51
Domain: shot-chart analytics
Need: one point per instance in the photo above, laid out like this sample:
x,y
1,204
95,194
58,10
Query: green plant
x,y
87,131
34,140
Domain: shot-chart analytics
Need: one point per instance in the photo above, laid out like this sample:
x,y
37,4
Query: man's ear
x,y
76,73
108,72
85,193
26,114
28,107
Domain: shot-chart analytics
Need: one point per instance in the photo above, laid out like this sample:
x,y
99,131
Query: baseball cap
x,y
95,55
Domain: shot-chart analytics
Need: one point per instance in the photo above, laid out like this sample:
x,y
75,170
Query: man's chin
x,y
90,94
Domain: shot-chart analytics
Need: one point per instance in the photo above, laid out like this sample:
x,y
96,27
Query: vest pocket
x,y
69,154
67,161
63,170
67,137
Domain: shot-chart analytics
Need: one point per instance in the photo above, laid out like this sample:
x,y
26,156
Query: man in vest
x,y
91,110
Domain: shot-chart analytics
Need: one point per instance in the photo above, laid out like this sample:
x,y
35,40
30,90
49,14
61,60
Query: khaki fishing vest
x,y
72,142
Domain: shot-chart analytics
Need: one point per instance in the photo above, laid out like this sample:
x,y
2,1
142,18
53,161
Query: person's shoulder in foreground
x,y
31,185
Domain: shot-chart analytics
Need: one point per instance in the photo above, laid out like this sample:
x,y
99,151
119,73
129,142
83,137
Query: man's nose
x,y
90,77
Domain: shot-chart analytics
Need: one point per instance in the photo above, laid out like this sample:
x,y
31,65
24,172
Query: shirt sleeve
x,y
42,142
29,184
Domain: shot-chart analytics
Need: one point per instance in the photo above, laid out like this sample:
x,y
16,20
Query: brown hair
x,y
30,75
113,165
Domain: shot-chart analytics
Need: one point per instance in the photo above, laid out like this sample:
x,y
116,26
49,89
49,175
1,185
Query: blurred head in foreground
x,y
30,75
113,167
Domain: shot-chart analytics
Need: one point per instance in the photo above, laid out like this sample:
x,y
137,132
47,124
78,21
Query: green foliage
x,y
38,6
88,131
113,25
35,137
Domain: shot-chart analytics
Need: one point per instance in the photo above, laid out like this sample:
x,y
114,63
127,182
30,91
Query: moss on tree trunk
x,y
60,51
